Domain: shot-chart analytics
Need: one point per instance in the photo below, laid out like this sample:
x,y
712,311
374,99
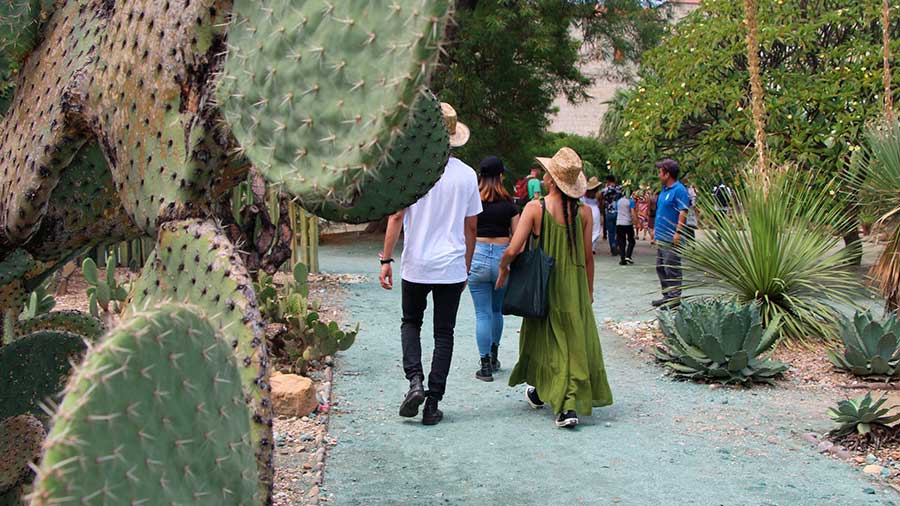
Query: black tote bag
x,y
527,293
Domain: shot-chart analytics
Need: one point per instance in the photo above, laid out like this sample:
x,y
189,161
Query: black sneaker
x,y
414,398
431,415
623,262
485,373
567,420
534,401
667,304
659,302
495,362
629,260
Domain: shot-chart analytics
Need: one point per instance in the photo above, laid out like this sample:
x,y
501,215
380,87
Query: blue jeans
x,y
611,231
488,302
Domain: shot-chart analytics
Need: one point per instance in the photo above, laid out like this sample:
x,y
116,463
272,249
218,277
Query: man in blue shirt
x,y
671,213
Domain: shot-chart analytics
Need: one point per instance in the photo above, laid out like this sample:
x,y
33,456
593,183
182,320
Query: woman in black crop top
x,y
496,224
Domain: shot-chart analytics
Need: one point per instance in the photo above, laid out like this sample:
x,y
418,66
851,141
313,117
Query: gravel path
x,y
661,443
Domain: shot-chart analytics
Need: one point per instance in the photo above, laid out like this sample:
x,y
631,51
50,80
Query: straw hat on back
x,y
565,169
459,133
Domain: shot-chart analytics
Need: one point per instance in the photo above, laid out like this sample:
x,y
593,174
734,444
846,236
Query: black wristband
x,y
387,261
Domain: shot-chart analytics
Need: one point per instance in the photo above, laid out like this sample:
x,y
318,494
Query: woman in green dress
x,y
561,356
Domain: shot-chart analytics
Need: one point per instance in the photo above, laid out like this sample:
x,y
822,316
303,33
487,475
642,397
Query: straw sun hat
x,y
565,169
593,183
459,133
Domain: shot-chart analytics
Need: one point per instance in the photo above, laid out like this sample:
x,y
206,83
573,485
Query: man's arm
x,y
471,234
394,226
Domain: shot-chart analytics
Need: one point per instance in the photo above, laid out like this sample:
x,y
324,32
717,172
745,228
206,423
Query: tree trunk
x,y
888,96
756,90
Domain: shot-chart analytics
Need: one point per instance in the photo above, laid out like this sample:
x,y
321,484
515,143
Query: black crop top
x,y
496,217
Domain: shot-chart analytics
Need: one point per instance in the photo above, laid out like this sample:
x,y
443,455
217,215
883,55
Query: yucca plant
x,y
780,250
874,176
871,348
718,340
861,415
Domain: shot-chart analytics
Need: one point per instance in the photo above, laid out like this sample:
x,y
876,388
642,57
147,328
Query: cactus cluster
x,y
102,292
173,439
871,347
136,117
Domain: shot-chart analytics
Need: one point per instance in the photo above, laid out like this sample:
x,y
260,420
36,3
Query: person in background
x,y
672,207
590,200
561,355
652,199
496,224
611,193
534,184
643,211
438,245
691,223
625,220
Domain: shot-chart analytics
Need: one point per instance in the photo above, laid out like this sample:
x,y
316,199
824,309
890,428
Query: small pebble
x,y
871,459
607,424
825,446
869,490
873,469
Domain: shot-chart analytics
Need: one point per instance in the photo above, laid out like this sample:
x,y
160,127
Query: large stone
x,y
293,395
873,469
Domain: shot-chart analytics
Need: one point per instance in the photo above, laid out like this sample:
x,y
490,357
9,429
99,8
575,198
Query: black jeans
x,y
625,237
446,304
668,269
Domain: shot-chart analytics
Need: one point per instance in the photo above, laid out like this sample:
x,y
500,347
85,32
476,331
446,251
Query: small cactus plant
x,y
861,415
871,348
39,302
718,341
106,294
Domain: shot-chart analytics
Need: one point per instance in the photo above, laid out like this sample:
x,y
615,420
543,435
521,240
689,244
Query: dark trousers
x,y
668,269
446,304
611,231
625,237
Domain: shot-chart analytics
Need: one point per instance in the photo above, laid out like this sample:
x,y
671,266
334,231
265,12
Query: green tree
x,y
821,72
507,60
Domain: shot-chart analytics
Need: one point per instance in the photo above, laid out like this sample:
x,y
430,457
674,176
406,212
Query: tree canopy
x,y
821,74
507,60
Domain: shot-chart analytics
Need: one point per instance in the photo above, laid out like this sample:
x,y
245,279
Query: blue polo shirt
x,y
671,202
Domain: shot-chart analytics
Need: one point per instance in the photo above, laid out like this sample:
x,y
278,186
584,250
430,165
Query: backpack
x,y
520,190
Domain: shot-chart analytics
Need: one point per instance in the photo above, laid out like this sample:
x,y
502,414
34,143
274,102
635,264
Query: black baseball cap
x,y
491,166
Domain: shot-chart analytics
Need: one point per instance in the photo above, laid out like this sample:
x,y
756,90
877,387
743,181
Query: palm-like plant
x,y
778,250
875,175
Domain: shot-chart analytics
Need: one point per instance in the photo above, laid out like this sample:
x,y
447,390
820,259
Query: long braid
x,y
569,215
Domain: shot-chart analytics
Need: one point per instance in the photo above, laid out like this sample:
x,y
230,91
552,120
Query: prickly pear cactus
x,y
34,369
15,266
415,161
20,445
317,92
195,263
177,437
73,322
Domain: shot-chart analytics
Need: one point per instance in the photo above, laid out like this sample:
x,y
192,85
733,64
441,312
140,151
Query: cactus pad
x,y
196,264
316,92
179,436
415,162
15,265
73,322
83,210
20,444
34,369
43,130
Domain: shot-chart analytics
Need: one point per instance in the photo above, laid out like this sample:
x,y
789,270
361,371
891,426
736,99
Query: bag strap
x,y
543,217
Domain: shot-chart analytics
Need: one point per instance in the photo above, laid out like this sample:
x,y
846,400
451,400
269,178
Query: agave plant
x,y
871,348
720,341
780,251
861,415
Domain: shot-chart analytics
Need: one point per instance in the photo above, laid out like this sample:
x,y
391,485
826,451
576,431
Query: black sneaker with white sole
x,y
567,420
533,400
629,260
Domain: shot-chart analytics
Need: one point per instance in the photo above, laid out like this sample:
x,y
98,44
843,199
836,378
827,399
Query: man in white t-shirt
x,y
438,244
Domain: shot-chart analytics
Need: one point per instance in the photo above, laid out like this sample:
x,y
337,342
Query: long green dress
x,y
561,356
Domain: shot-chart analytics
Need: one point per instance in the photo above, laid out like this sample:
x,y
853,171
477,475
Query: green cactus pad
x,y
34,369
415,162
317,92
42,130
83,210
15,265
155,415
20,443
73,322
157,122
12,297
195,263
19,23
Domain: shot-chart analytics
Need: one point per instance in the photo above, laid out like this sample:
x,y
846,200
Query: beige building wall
x,y
584,118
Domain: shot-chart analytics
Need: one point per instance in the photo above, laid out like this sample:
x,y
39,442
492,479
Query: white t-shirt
x,y
595,213
434,241
624,206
